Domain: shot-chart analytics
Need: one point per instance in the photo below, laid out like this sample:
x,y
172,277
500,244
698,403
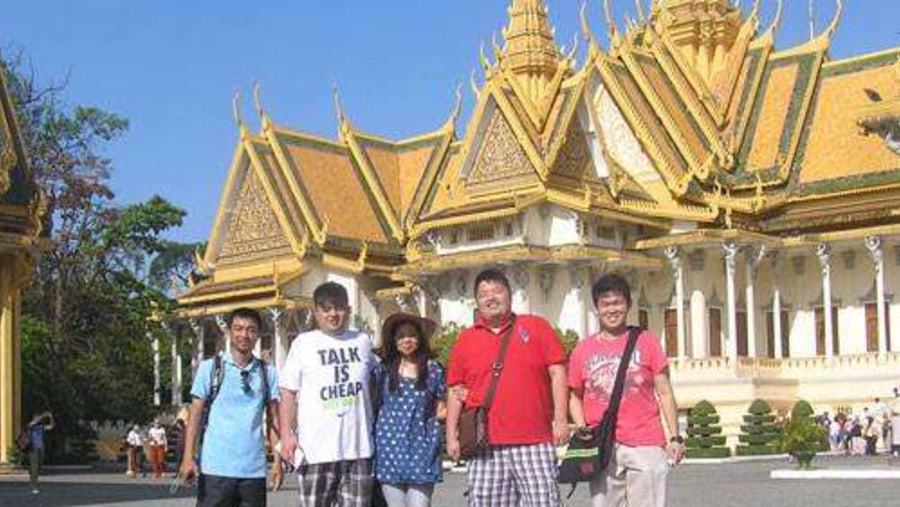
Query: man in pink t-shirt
x,y
637,471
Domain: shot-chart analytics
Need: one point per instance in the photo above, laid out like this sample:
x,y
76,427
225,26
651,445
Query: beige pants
x,y
636,477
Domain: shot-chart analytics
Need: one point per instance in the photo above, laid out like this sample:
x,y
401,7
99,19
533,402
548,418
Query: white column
x,y
776,304
223,328
157,385
278,345
754,256
520,300
199,336
731,250
823,252
176,366
576,302
873,245
672,254
699,325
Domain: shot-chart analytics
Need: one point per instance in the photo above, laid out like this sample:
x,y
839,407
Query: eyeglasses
x,y
245,382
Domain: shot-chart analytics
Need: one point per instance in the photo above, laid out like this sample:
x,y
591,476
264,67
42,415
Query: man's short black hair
x,y
330,291
244,313
611,283
491,275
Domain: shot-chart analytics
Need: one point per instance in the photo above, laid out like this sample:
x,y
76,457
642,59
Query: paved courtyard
x,y
741,484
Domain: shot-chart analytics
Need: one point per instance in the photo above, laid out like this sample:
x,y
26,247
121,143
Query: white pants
x,y
635,477
407,495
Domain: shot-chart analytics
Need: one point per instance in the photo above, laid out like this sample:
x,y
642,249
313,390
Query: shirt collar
x,y
226,358
482,323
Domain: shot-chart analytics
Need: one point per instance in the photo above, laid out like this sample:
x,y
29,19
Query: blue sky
x,y
171,68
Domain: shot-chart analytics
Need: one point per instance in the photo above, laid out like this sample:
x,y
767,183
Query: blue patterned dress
x,y
407,440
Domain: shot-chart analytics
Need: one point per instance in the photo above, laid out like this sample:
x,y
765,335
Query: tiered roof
x,y
691,113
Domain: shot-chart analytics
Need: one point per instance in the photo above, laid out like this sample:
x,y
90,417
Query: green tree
x,y
86,313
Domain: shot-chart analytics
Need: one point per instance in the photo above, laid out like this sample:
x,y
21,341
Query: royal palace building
x,y
20,247
749,193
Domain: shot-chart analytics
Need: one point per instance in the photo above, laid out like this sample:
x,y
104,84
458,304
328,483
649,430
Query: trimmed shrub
x,y
802,409
704,435
760,432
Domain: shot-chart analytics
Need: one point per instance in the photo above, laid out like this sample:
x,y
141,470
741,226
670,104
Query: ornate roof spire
x,y
531,50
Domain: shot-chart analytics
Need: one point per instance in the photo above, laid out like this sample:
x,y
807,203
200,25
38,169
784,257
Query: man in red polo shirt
x,y
528,414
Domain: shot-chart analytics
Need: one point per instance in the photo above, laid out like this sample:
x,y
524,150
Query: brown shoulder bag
x,y
473,425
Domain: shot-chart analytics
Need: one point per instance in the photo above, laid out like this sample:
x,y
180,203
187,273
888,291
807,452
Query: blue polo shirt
x,y
233,445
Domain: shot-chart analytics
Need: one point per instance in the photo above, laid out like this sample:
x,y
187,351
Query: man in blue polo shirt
x,y
231,396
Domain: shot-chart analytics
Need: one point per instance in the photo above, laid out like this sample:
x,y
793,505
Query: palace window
x,y
606,232
715,332
820,330
643,318
785,334
740,318
481,232
872,326
670,326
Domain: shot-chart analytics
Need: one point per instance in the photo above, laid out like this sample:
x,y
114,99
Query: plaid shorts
x,y
344,483
514,475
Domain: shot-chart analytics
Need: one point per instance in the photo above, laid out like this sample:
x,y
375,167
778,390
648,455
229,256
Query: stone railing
x,y
858,364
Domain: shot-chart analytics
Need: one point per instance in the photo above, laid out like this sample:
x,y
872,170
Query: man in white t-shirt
x,y
326,407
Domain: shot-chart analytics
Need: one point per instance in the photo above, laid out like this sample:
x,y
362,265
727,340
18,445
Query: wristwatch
x,y
677,439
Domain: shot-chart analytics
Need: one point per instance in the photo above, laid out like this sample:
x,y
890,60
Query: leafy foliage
x,y
86,326
759,432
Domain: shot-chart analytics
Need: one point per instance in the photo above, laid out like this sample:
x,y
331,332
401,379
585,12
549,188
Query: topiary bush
x,y
759,431
705,439
801,410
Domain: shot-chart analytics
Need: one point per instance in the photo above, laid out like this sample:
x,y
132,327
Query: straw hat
x,y
425,325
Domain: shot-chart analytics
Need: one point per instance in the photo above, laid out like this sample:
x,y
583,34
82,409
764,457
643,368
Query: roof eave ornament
x,y
260,110
832,27
457,107
614,38
236,112
776,21
343,126
593,46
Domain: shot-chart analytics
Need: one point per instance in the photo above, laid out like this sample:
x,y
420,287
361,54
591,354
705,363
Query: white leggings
x,y
408,495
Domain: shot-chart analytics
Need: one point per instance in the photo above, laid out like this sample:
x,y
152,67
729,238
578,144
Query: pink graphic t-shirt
x,y
592,371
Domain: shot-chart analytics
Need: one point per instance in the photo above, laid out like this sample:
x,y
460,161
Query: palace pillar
x,y
520,300
823,252
223,330
176,364
674,257
157,384
199,339
10,348
276,316
754,256
776,305
873,245
731,250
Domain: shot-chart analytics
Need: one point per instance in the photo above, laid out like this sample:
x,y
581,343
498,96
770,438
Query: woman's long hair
x,y
391,357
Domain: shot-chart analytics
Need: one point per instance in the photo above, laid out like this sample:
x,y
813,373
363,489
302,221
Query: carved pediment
x,y
253,229
500,156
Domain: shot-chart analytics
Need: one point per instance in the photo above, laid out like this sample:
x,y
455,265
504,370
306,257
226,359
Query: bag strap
x,y
216,375
497,367
616,398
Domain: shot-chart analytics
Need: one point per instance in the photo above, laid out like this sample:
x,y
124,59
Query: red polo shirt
x,y
522,410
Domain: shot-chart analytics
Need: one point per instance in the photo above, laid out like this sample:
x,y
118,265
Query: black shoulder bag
x,y
590,450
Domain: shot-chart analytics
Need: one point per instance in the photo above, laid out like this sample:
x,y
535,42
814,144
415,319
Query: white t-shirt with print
x,y
334,411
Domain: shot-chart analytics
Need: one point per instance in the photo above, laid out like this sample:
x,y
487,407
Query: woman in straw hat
x,y
412,401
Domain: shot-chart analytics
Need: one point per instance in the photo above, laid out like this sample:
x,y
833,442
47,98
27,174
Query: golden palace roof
x,y
692,113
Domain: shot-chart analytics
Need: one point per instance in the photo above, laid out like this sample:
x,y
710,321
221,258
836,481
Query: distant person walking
x,y
135,443
158,445
36,428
